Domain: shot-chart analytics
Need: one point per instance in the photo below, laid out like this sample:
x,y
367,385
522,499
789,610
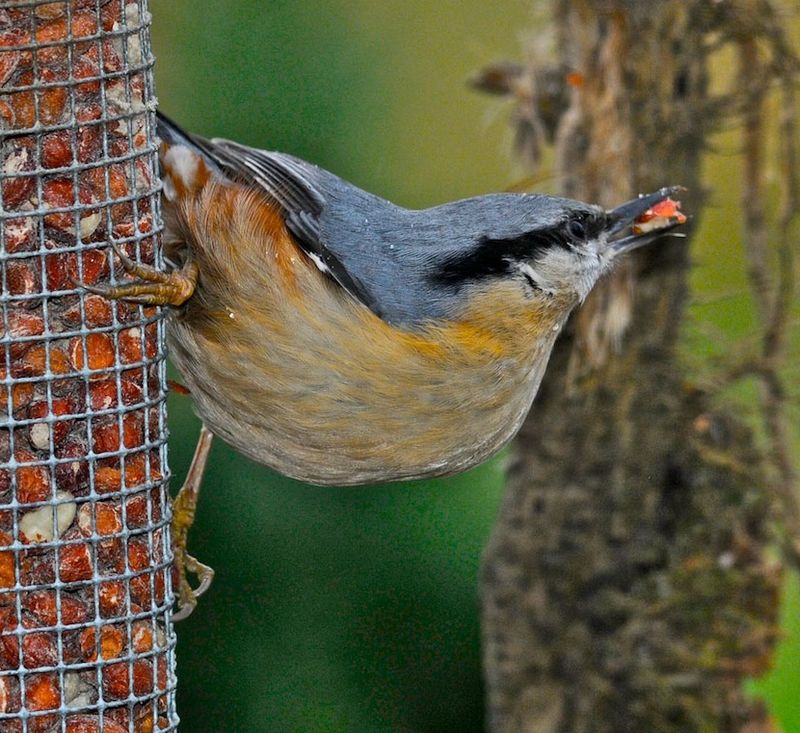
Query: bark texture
x,y
627,585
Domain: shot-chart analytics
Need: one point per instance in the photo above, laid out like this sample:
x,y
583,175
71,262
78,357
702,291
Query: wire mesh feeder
x,y
85,587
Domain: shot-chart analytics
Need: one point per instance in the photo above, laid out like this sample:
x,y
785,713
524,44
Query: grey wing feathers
x,y
284,180
278,175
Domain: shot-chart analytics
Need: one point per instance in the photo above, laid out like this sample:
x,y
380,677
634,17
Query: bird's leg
x,y
183,510
153,287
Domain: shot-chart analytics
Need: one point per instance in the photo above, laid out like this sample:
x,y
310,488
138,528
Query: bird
x,y
341,339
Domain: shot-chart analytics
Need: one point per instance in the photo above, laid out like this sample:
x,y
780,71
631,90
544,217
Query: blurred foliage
x,y
356,609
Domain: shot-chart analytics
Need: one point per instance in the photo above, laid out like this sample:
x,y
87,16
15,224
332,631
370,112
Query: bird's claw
x,y
187,596
153,287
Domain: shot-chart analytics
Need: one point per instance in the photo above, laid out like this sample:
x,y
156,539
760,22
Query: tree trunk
x,y
626,586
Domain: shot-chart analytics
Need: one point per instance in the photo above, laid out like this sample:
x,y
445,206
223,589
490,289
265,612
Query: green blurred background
x,y
356,609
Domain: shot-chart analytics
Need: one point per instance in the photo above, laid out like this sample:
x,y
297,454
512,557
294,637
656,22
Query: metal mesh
x,y
85,586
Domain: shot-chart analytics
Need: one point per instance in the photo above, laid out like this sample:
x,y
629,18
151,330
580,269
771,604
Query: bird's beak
x,y
644,219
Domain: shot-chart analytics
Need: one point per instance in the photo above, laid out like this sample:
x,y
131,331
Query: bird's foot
x,y
187,595
184,507
153,287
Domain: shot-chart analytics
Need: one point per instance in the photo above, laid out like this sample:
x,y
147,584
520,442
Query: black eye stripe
x,y
491,257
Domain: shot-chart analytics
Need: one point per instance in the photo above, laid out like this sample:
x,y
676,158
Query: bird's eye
x,y
576,228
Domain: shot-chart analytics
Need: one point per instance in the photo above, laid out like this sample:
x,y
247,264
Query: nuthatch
x,y
341,339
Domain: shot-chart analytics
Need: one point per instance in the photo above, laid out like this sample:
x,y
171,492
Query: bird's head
x,y
555,248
